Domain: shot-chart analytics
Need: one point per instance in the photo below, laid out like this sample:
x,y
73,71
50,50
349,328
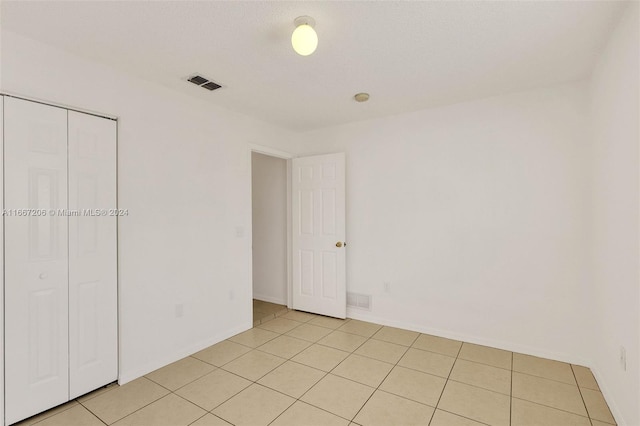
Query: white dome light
x,y
304,38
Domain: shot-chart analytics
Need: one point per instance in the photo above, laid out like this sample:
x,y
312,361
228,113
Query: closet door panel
x,y
93,344
36,258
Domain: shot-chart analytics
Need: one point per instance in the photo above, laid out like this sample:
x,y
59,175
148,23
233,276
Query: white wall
x,y
269,213
184,175
475,213
616,257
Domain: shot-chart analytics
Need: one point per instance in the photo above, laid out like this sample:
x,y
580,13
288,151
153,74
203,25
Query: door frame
x,y
272,152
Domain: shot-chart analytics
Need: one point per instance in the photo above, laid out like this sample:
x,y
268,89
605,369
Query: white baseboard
x,y
127,376
270,299
613,407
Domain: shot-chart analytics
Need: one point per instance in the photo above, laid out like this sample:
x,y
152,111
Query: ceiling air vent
x,y
211,86
203,82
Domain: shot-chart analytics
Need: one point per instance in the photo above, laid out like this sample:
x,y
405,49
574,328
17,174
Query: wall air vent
x,y
361,301
203,82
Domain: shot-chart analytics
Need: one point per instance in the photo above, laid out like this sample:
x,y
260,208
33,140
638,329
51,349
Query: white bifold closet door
x,y
36,259
93,329
60,270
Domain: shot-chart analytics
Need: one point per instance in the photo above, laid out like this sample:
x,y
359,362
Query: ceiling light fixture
x,y
304,38
361,97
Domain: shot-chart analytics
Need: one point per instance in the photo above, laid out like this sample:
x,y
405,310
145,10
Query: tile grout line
x,y
266,387
261,326
104,389
553,408
135,411
554,381
52,415
302,402
581,397
63,411
205,413
232,396
375,359
158,399
464,417
385,377
240,391
377,388
488,365
286,359
247,346
544,378
325,375
472,385
251,380
447,380
299,399
194,404
188,383
93,414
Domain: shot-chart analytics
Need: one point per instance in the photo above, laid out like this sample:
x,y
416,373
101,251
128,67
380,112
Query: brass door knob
x,y
339,244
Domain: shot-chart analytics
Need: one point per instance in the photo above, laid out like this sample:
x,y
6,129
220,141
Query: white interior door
x,y
36,276
93,327
318,222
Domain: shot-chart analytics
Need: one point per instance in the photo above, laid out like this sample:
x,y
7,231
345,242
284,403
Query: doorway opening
x,y
270,235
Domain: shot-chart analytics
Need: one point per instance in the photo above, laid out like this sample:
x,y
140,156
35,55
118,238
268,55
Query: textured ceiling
x,y
407,55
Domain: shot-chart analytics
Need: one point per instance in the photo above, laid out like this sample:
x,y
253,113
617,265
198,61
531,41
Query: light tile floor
x,y
266,311
301,369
